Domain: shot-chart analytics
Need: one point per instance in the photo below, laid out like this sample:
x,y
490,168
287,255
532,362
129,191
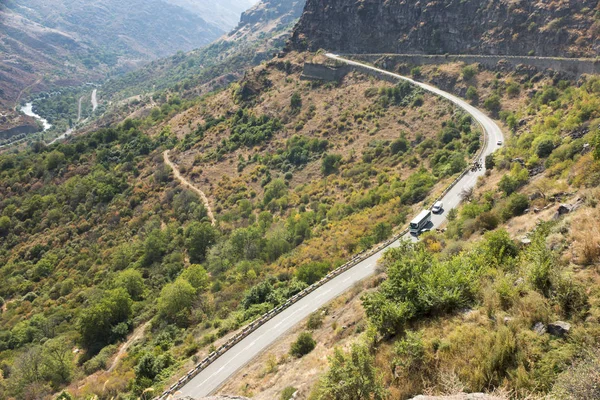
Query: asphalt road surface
x,y
210,379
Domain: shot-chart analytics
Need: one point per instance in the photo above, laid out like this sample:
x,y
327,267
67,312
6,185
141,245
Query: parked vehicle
x,y
420,222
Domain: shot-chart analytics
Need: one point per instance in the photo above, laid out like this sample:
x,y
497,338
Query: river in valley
x,y
27,109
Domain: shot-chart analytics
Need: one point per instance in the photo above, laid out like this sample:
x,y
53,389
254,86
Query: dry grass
x,y
586,236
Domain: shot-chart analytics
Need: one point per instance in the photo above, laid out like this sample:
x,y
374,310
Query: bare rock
x,y
540,328
559,328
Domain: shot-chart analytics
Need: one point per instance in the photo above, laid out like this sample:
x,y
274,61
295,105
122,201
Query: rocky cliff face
x,y
273,13
515,27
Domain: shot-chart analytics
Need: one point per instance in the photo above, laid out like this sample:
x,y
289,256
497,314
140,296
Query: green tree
x,y
352,376
197,276
330,163
492,103
468,72
54,160
381,232
132,281
176,300
312,272
544,148
5,225
97,322
275,190
418,284
490,163
58,361
199,238
296,101
472,93
303,345
155,247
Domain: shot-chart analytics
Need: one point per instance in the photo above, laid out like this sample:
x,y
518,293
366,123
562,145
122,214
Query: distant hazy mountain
x,y
223,13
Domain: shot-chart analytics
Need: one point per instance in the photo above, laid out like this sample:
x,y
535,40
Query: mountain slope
x,y
69,42
549,28
263,30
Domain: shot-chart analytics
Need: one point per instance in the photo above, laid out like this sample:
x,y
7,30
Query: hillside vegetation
x,y
476,308
98,238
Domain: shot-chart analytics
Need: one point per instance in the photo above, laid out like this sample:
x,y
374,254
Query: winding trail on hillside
x,y
213,376
188,184
136,335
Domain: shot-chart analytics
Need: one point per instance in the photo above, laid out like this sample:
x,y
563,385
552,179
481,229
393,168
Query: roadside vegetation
x,y
482,306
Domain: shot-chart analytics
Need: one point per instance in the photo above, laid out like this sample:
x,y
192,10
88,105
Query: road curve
x,y
211,378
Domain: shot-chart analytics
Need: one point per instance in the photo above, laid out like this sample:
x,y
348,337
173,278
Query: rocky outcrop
x,y
282,12
515,27
559,328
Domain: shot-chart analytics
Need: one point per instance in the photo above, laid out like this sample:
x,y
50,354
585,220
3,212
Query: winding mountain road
x,y
211,378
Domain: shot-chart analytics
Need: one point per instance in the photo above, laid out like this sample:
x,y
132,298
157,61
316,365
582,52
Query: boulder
x,y
559,328
540,328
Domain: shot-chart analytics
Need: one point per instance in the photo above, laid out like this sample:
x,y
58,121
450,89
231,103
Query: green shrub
x,y
513,89
330,163
418,285
544,148
472,93
516,204
493,103
409,353
468,72
288,393
582,380
352,376
296,101
488,221
303,345
315,320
